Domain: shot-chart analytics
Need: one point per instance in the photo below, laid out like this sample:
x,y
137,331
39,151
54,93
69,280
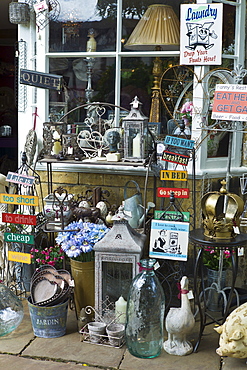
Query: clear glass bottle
x,y
145,313
11,310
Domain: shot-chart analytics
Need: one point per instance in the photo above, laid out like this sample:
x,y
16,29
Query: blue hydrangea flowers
x,y
81,240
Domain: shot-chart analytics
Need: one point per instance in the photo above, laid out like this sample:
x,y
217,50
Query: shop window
x,y
120,73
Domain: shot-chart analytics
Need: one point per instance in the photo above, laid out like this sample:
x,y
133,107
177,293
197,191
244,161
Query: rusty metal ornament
x,y
30,146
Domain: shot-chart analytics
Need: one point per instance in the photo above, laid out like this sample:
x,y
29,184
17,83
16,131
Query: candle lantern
x,y
71,148
135,133
52,138
116,264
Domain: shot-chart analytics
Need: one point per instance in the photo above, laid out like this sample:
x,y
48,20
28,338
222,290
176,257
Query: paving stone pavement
x,y
23,351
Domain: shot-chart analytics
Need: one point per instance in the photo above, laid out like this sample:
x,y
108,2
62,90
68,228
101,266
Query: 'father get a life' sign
x,y
230,102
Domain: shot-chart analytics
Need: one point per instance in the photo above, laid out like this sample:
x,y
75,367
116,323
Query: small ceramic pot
x,y
115,334
96,331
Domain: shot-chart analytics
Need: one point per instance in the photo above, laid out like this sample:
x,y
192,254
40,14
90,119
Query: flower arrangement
x,y
53,256
211,257
78,244
186,112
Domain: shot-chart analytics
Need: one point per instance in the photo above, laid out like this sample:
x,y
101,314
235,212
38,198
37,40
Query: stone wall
x,y
78,183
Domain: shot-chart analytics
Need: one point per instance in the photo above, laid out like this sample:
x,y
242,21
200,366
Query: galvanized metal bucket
x,y
48,322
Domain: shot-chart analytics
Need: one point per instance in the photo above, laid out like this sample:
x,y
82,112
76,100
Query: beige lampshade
x,y
159,26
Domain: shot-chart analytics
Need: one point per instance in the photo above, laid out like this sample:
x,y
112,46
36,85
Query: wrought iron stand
x,y
200,242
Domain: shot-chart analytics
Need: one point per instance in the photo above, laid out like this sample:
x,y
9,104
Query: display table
x,y
200,242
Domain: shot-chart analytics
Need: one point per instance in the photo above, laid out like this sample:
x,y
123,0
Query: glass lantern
x,y
116,264
135,133
71,148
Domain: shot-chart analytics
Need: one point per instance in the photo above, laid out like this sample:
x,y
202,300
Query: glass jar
x,y
11,310
145,313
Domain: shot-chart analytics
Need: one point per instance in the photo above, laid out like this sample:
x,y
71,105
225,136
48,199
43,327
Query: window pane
x,y
229,14
116,280
133,11
217,143
77,17
137,80
74,72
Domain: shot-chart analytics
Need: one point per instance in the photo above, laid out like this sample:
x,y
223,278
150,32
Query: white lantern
x,y
135,133
116,264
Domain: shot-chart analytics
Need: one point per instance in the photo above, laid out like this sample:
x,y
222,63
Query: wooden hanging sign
x,y
19,257
39,79
173,175
20,179
14,218
177,141
26,200
170,215
19,238
178,192
175,158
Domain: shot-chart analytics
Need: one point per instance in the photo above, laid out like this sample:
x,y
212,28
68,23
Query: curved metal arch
x,y
91,139
175,83
92,104
221,75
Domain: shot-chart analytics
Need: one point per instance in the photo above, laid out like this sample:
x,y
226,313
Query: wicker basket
x,y
19,13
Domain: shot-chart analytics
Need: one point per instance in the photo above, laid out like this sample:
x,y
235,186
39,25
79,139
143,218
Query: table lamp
x,y
158,29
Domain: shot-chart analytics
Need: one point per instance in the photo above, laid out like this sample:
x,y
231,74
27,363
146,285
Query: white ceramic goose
x,y
179,322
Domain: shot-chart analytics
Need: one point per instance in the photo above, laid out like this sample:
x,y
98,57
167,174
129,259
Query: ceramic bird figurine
x,y
103,208
109,218
179,322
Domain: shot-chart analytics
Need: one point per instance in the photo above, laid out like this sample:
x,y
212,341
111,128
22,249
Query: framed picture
x,y
169,240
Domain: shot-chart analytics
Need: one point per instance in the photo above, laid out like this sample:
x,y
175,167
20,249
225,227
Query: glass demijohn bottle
x,y
145,313
11,310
